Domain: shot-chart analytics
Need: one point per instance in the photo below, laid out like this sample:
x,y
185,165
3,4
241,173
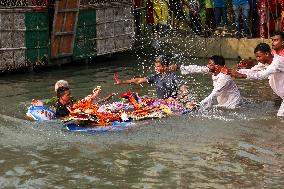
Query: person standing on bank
x,y
241,10
220,12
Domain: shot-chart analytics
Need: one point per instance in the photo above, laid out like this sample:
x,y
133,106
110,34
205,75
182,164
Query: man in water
x,y
272,68
168,85
225,89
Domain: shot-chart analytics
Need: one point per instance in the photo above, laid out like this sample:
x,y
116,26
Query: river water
x,y
213,149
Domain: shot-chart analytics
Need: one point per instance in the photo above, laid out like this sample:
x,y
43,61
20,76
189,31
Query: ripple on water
x,y
217,148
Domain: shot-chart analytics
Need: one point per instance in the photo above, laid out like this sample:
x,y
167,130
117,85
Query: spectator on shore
x,y
195,20
241,10
268,16
220,11
161,15
209,17
150,14
177,13
254,18
137,15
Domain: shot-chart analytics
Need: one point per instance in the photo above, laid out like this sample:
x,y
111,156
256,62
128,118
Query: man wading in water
x,y
168,85
272,68
225,89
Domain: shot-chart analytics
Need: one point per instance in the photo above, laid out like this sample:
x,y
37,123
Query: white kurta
x,y
193,69
255,68
225,89
275,73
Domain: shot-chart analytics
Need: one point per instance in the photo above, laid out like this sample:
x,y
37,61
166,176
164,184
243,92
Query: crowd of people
x,y
242,18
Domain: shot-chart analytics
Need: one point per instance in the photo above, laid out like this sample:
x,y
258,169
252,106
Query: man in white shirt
x,y
272,68
225,89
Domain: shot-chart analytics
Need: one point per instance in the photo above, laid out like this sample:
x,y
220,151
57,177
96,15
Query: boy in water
x,y
225,89
167,83
273,69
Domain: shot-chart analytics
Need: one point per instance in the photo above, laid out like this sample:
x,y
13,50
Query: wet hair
x,y
262,47
218,60
60,83
164,60
278,33
61,91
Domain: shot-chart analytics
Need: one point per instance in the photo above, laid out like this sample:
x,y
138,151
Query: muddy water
x,y
214,149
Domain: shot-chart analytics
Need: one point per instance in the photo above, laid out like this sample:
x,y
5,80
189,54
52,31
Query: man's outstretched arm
x,y
136,81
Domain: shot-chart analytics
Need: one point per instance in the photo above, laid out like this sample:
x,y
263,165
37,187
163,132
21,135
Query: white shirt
x,y
225,89
193,69
255,68
274,72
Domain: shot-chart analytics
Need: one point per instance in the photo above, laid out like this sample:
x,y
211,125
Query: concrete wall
x,y
205,47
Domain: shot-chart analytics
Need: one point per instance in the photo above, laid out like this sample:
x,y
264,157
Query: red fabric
x,y
267,19
136,3
126,94
150,12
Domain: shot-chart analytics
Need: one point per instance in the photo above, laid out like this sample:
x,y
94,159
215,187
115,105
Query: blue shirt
x,y
219,3
240,2
166,85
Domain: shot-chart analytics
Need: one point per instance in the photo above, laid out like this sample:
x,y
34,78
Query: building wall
x,y
25,34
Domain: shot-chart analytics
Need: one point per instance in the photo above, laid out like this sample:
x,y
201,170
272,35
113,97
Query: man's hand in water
x,y
116,80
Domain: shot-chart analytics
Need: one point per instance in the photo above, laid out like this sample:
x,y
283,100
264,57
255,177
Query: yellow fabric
x,y
161,13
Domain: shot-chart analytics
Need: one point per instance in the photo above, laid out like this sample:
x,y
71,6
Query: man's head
x,y
216,63
60,83
64,94
277,40
161,64
262,53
